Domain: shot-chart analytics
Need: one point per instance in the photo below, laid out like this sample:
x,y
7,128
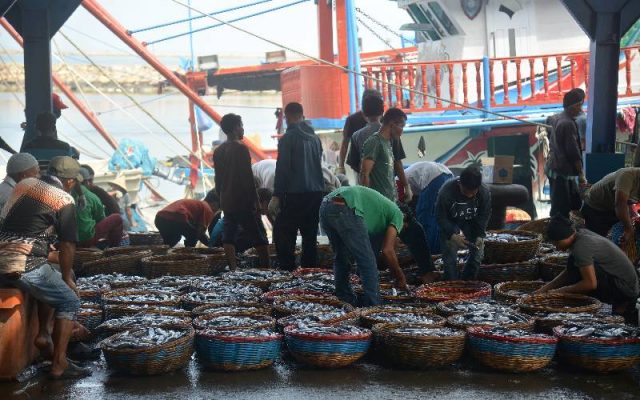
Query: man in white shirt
x,y
19,167
264,173
426,178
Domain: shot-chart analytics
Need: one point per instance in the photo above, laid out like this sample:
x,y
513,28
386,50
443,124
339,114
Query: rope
x,y
130,97
119,49
383,26
383,40
359,73
175,93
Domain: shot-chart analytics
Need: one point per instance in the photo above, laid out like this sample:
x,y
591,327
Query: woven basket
x,y
368,320
110,297
416,351
453,290
558,302
131,281
503,253
259,322
510,292
92,294
176,265
90,318
273,295
447,308
184,323
260,282
237,353
325,256
511,354
496,273
242,307
538,226
83,256
155,249
188,303
600,355
552,265
155,360
349,318
112,311
125,264
544,324
216,256
311,272
145,238
405,258
454,322
279,309
327,351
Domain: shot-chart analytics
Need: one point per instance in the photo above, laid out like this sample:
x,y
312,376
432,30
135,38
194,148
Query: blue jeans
x,y
450,260
426,211
46,285
348,235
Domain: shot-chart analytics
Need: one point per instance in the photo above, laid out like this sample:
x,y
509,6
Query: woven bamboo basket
x,y
538,226
92,293
216,256
90,318
349,318
310,273
257,322
240,307
175,265
510,292
280,310
520,271
154,360
83,256
599,355
552,265
157,250
131,281
262,283
270,297
448,308
125,264
145,239
326,351
511,354
237,353
111,297
368,318
545,324
214,297
460,321
181,323
112,311
558,303
418,351
502,253
453,290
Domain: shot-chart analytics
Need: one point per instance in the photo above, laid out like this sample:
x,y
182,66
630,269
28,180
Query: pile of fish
x,y
505,238
91,287
243,333
469,306
515,333
402,317
424,331
226,287
297,306
218,297
310,318
317,275
601,331
327,330
144,320
142,338
148,297
300,283
489,318
583,318
229,321
255,274
233,310
393,292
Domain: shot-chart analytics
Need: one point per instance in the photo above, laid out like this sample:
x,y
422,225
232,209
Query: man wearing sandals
x,y
596,267
36,216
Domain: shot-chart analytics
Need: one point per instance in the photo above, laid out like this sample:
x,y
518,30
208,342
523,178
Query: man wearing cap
x,y
110,204
93,228
564,165
46,145
596,267
36,216
19,167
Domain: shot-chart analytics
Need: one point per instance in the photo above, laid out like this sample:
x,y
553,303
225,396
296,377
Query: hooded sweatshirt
x,y
299,166
456,212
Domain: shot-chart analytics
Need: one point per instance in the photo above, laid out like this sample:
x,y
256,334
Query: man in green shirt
x,y
359,222
94,229
377,155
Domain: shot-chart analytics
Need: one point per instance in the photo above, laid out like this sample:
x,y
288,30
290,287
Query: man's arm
x,y
557,282
390,258
566,133
622,212
67,251
218,172
365,171
344,146
587,284
5,146
283,167
447,228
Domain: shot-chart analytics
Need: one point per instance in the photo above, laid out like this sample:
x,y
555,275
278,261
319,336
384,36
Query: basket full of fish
x,y
142,320
238,350
340,317
600,348
262,278
148,351
112,311
419,346
236,321
320,285
241,307
452,307
195,299
285,306
90,315
313,273
111,281
512,271
510,292
512,350
501,247
91,292
558,302
546,322
138,297
453,290
156,250
175,265
326,346
376,315
552,264
270,297
506,319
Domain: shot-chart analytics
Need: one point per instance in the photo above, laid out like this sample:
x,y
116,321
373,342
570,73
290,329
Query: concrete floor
x,y
364,380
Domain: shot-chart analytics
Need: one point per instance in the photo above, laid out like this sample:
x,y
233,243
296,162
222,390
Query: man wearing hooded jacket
x,y
298,190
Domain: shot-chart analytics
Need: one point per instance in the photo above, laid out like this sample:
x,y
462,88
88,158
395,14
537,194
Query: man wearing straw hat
x,y
596,267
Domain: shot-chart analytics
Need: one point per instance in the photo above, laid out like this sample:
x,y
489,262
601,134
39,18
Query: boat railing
x,y
513,81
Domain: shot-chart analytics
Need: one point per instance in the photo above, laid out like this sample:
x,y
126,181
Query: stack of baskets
x,y
216,256
83,256
175,265
510,261
156,250
453,290
538,226
517,271
125,262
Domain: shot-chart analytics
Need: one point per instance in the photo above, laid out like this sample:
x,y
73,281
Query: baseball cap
x,y
57,102
65,167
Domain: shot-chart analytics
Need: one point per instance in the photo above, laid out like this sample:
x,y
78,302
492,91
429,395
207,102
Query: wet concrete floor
x,y
363,380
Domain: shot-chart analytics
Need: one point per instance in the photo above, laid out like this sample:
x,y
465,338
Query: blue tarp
x,y
137,155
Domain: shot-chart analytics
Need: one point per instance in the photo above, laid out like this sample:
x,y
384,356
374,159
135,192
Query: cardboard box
x,y
498,169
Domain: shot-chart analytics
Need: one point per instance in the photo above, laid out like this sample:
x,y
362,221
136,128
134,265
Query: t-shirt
x,y
420,174
110,204
352,124
196,213
590,248
602,195
378,149
377,211
354,157
234,179
88,217
35,216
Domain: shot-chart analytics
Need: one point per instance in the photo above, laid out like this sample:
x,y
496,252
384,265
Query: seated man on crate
x,y
36,216
596,267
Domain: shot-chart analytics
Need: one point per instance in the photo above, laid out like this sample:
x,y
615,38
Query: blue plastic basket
x,y
237,353
328,351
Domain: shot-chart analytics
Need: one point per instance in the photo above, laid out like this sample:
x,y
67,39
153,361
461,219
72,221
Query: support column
x,y
603,84
325,30
341,31
37,66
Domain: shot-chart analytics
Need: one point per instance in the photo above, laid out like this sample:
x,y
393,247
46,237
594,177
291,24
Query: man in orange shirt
x,y
188,218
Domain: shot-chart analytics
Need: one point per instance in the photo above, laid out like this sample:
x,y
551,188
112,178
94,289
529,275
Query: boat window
x,y
443,18
417,14
433,21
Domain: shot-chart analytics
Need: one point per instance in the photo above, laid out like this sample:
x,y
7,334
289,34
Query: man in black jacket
x,y
463,209
565,156
298,190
